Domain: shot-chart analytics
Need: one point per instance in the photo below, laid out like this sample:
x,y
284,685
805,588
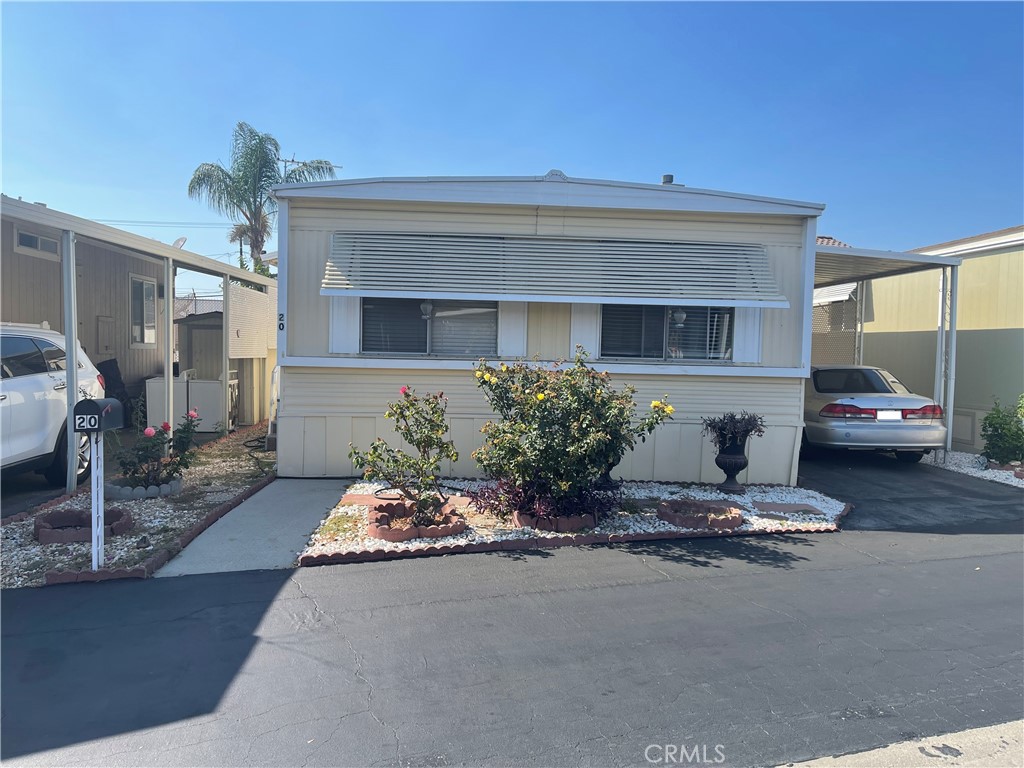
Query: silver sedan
x,y
861,407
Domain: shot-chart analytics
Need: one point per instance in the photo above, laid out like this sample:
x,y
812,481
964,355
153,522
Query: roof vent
x,y
668,178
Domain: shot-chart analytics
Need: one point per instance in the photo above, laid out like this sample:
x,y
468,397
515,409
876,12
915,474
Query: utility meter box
x,y
98,415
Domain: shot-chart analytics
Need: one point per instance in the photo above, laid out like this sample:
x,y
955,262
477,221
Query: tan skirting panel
x,y
324,409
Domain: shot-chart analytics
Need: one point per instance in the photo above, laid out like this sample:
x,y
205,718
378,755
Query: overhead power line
x,y
139,223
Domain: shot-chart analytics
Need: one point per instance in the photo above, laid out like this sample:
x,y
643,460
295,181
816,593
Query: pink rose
x,y
403,390
149,431
166,427
193,414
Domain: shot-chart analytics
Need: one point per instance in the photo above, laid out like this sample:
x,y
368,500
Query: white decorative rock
x,y
176,484
139,493
153,492
165,489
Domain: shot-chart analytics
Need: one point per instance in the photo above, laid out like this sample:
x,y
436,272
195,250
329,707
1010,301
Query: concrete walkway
x,y
997,746
264,532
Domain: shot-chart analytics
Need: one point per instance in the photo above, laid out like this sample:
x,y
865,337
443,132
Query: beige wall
x,y
31,293
311,224
899,334
323,409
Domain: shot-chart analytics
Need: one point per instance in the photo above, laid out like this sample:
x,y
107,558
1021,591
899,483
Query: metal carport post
x,y
837,265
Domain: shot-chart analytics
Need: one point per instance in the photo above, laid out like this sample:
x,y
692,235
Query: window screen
x,y
394,325
676,333
462,328
425,326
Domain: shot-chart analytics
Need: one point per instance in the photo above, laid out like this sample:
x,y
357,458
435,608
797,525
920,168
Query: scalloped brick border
x,y
548,542
159,559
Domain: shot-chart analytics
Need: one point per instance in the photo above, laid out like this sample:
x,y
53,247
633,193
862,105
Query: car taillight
x,y
841,411
103,384
932,411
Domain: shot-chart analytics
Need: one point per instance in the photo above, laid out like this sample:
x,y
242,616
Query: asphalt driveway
x,y
773,649
890,496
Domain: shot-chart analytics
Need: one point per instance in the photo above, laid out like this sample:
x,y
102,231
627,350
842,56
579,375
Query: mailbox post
x,y
94,417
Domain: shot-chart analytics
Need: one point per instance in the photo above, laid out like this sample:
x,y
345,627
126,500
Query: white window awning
x,y
834,293
508,268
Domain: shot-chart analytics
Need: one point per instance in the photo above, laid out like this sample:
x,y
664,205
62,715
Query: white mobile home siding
x,y
324,408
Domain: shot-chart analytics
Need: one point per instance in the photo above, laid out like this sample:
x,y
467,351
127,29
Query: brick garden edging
x,y
159,559
544,542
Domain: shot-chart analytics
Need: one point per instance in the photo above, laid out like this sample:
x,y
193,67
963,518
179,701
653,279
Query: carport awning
x,y
510,268
835,265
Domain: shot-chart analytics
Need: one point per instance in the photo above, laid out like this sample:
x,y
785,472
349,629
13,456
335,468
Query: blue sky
x,y
906,119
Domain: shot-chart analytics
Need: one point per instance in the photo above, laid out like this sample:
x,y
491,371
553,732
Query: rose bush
x,y
158,456
560,430
420,421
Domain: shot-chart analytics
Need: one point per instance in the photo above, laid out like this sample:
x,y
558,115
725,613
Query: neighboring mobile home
x,y
122,282
699,295
899,331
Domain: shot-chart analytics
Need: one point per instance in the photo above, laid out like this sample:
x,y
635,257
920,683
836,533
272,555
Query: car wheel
x,y
56,474
909,457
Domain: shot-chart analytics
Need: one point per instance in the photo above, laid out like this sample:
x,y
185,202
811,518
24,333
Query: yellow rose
x,y
479,374
669,410
504,367
540,395
655,403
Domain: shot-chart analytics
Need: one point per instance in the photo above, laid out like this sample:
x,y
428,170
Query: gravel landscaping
x,y
223,470
974,465
766,509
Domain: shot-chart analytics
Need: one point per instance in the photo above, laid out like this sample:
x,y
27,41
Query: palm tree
x,y
243,191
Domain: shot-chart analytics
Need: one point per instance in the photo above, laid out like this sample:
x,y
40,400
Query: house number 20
x,y
280,322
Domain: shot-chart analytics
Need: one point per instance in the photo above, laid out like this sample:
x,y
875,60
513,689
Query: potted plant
x,y
421,509
729,433
154,465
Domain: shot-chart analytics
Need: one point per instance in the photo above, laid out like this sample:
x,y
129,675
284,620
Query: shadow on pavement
x,y
82,662
775,551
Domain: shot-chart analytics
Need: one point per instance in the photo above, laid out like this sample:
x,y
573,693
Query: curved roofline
x,y
508,183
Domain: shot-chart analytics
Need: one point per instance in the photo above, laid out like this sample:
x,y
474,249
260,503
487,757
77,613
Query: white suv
x,y
33,404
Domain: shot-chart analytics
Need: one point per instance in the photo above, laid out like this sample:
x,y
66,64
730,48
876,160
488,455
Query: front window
x,y
430,327
143,312
666,333
37,245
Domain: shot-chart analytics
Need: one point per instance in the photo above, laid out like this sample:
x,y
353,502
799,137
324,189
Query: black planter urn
x,y
732,460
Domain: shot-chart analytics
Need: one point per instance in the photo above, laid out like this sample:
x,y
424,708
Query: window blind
x,y
671,333
422,326
394,325
461,328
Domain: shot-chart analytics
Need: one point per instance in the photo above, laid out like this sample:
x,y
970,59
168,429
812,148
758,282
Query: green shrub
x,y
420,421
560,429
1003,432
157,457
